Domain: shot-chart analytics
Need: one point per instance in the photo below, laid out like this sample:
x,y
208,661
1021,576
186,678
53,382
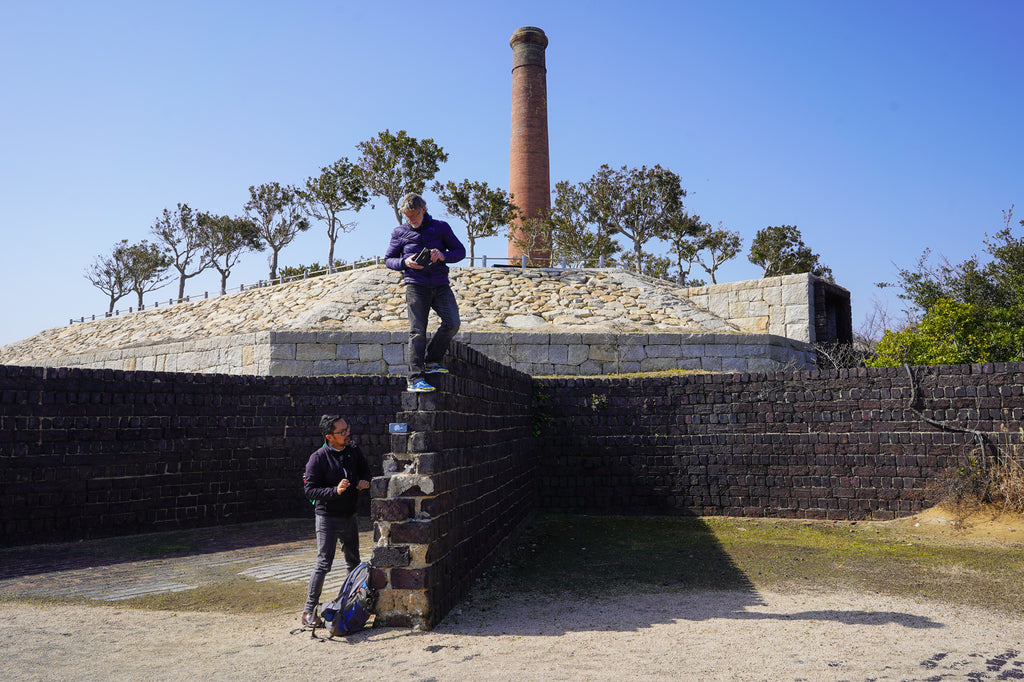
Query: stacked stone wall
x,y
93,453
823,445
457,484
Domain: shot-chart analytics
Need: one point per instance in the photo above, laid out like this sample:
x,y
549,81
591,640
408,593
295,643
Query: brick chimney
x,y
529,177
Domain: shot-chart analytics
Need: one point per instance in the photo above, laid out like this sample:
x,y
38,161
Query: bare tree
x,y
683,236
145,265
577,235
483,209
337,189
107,273
780,250
636,202
129,267
720,245
277,212
531,234
182,238
225,240
394,165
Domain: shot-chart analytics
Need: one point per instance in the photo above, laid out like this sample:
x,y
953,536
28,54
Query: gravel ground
x,y
694,635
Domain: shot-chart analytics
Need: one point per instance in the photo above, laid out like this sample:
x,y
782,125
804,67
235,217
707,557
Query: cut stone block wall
x,y
605,353
799,307
308,353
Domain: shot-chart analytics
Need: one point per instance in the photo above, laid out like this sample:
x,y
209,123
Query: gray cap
x,y
411,202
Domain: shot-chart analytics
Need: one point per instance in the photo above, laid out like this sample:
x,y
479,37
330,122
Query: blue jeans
x,y
421,299
330,530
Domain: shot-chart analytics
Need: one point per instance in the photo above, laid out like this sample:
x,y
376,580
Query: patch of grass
x,y
588,556
239,595
234,594
164,544
870,557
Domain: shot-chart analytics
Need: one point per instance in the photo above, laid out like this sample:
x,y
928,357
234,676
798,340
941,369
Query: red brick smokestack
x,y
529,177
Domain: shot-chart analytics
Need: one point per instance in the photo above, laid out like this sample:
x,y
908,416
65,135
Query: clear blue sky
x,y
878,128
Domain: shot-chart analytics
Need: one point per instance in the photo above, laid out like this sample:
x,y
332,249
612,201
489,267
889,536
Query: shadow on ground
x,y
16,562
563,573
597,571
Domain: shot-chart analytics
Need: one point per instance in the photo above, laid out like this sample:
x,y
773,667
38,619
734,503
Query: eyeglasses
x,y
342,432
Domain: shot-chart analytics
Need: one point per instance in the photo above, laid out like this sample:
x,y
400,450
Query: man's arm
x,y
393,257
313,484
454,250
363,471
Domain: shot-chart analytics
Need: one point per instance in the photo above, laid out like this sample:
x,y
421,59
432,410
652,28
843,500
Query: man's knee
x,y
450,320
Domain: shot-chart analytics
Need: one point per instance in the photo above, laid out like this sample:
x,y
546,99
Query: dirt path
x,y
696,635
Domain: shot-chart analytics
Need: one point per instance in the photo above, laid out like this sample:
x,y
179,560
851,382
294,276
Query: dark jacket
x,y
407,240
324,471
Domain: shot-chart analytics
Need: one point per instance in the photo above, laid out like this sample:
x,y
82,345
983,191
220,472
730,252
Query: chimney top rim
x,y
528,34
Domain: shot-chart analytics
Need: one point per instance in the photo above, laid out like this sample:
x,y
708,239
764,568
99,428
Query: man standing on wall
x,y
334,476
422,247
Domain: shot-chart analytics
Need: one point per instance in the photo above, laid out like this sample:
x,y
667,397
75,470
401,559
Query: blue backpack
x,y
349,612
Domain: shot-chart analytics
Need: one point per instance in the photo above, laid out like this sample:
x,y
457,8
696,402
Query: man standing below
x,y
426,285
334,476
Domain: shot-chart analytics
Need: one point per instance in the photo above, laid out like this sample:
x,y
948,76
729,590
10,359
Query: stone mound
x,y
373,298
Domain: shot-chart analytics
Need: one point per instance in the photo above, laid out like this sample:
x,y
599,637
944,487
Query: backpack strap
x,y
312,628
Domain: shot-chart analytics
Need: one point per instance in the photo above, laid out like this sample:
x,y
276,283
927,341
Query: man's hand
x,y
435,256
343,486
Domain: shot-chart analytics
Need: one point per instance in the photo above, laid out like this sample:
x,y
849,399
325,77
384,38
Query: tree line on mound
x,y
640,204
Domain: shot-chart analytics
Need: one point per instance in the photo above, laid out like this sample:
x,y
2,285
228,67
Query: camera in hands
x,y
422,258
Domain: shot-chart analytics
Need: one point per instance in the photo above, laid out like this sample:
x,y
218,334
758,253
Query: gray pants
x,y
330,530
421,299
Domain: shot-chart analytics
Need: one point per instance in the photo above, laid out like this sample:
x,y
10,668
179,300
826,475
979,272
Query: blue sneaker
x,y
435,368
420,386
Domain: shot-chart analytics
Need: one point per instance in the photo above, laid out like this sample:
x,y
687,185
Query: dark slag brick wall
x,y
473,440
91,453
94,453
827,445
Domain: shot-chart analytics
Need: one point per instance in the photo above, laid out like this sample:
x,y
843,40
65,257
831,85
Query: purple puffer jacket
x,y
407,240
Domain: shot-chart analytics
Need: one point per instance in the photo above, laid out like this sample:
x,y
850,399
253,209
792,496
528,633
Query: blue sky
x,y
877,128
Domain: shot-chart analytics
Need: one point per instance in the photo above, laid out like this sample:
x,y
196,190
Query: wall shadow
x,y
598,573
23,561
